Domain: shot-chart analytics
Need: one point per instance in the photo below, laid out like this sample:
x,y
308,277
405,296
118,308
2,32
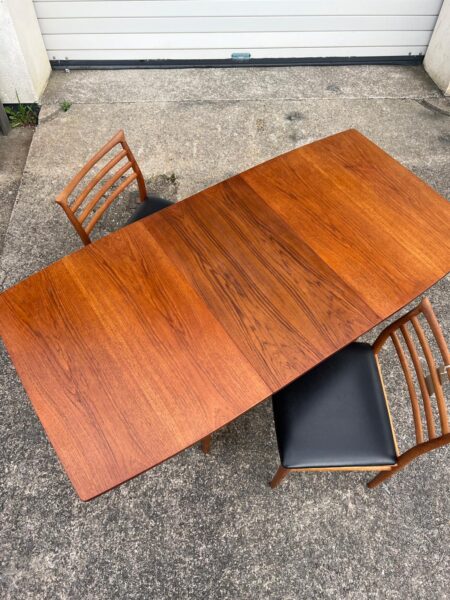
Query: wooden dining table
x,y
136,347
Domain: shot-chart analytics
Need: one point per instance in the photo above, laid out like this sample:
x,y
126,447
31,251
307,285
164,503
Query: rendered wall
x,y
437,58
24,66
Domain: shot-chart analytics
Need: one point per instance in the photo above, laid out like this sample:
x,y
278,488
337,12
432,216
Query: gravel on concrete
x,y
209,527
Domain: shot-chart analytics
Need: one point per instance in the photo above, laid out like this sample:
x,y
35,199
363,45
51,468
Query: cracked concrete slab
x,y
13,155
253,84
230,136
201,526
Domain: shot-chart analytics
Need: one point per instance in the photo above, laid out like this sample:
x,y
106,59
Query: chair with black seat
x,y
85,212
336,417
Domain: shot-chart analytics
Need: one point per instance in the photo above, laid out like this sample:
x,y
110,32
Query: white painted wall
x,y
24,65
437,58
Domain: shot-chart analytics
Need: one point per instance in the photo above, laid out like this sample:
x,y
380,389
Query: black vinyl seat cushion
x,y
335,415
149,206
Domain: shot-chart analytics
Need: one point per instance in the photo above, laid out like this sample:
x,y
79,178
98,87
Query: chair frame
x,y
70,208
422,445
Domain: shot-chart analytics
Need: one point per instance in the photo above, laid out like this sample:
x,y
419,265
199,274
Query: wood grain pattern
x,y
150,339
130,370
344,212
278,300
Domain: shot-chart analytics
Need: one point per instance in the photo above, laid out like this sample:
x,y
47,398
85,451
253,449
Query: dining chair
x,y
336,417
84,215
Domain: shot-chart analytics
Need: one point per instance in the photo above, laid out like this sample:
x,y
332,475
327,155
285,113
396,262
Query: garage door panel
x,y
238,24
187,8
209,29
289,39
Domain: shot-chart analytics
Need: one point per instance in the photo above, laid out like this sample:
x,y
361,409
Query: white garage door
x,y
98,30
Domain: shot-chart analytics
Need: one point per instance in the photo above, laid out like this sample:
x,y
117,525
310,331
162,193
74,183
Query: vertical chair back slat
x,y
136,169
434,374
411,389
70,208
422,384
437,331
412,317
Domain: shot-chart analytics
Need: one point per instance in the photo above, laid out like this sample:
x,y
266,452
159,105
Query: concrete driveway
x,y
210,527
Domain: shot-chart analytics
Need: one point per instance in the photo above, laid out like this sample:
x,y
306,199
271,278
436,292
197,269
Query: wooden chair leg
x,y
279,476
206,443
382,476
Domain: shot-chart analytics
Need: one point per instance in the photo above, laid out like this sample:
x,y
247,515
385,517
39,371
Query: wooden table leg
x,y
206,443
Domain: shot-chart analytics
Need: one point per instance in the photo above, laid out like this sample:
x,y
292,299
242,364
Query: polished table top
x,y
139,345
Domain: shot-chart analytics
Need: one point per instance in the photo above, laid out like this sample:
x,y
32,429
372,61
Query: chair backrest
x,y
430,384
84,214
